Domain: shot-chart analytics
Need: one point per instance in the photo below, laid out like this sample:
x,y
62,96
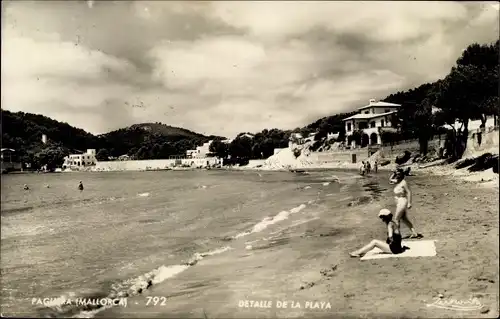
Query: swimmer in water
x,y
402,194
80,186
393,243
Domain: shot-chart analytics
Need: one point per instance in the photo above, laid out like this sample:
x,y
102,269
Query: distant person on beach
x,y
362,168
26,187
375,166
368,167
80,186
402,194
393,242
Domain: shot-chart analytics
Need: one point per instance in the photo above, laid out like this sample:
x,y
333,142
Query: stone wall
x,y
489,144
390,151
152,164
8,166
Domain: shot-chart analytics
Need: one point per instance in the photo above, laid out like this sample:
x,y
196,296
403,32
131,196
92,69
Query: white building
x,y
80,160
334,136
44,139
371,120
191,153
473,125
200,151
249,135
124,157
204,150
295,138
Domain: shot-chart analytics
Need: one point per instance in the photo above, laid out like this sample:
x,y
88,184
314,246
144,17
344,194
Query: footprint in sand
x,y
325,274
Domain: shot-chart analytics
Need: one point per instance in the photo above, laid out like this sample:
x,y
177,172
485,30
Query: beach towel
x,y
418,248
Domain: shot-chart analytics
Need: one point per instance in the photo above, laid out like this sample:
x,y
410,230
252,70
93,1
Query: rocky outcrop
x,y
484,162
403,158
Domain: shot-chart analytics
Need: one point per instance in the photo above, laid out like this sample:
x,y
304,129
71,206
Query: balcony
x,y
370,130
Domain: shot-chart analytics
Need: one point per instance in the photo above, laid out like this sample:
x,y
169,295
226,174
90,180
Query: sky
x,y
225,67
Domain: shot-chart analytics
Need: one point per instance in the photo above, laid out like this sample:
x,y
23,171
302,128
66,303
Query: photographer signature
x,y
454,304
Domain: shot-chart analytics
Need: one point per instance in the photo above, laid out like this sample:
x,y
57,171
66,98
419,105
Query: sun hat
x,y
384,212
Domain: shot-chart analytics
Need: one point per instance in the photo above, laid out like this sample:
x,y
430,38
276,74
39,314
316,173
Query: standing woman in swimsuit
x,y
402,194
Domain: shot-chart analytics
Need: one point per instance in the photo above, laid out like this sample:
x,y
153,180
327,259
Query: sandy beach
x,y
308,264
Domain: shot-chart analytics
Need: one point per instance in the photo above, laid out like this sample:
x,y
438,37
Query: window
x,y
367,112
363,125
372,124
382,123
348,127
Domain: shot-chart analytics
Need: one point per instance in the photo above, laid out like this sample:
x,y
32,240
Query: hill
x,y
152,140
166,130
23,132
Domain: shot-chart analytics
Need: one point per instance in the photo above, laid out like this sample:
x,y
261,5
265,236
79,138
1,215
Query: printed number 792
x,y
162,301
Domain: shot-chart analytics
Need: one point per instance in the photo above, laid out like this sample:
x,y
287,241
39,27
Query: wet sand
x,y
310,262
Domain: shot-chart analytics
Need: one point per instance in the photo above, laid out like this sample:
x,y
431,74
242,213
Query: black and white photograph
x,y
249,159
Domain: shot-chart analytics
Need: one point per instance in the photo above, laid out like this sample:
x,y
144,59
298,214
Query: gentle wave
x,y
127,288
297,223
74,203
283,215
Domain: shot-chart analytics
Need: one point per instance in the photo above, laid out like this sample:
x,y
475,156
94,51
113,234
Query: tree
x,y
154,151
241,147
219,148
142,153
423,124
102,155
480,55
466,93
166,150
52,157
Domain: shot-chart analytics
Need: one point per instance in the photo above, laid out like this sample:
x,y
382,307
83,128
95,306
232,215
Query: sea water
x,y
127,231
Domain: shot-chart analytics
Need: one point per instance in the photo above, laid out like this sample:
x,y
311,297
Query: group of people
x,y
366,167
402,195
80,186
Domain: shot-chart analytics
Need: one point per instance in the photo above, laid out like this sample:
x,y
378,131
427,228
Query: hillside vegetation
x,y
23,132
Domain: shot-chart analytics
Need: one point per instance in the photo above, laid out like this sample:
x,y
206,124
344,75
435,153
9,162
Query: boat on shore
x,y
149,169
298,171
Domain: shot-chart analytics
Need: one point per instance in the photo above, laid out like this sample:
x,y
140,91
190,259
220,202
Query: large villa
x,y
371,120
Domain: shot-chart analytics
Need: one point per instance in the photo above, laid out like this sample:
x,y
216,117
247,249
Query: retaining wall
x,y
389,151
489,144
152,164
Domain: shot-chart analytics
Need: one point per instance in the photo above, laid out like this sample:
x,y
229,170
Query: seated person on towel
x,y
393,242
